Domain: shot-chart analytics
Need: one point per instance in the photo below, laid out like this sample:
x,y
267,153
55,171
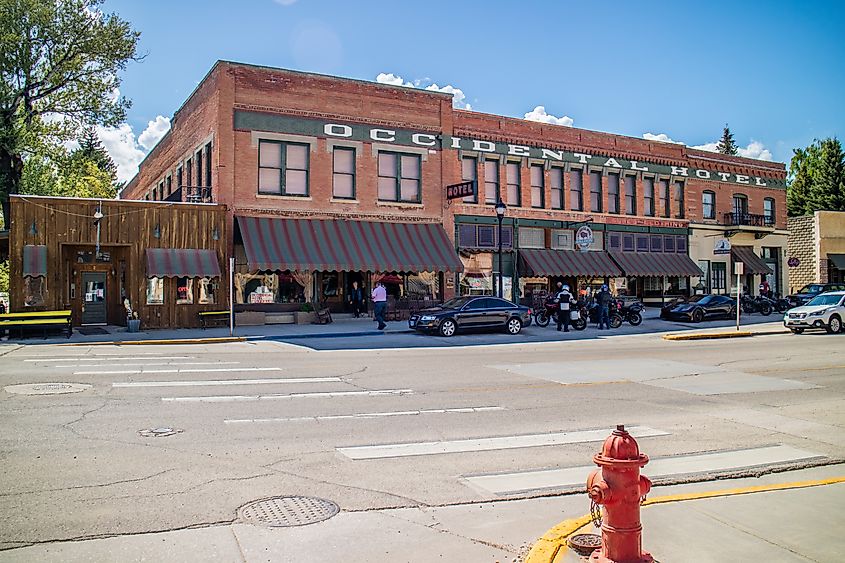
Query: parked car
x,y
671,304
471,313
700,307
811,290
823,311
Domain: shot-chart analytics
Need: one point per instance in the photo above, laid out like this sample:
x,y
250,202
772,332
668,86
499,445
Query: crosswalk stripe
x,y
367,415
569,477
149,364
146,371
275,396
212,382
106,359
492,443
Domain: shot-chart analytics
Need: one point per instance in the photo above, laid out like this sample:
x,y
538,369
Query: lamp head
x,y
501,208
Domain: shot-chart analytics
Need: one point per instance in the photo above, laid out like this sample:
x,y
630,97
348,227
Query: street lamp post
x,y
500,214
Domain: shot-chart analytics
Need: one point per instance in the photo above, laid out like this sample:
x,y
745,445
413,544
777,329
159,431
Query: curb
x,y
548,547
283,338
212,340
717,335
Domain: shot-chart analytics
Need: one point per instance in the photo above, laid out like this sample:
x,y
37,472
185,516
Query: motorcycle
x,y
592,315
546,313
779,304
631,313
756,305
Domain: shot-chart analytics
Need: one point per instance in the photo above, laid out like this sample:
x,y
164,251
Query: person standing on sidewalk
x,y
564,302
603,299
356,299
379,296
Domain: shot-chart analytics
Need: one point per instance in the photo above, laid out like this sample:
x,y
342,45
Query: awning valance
x,y
190,262
567,263
35,260
838,260
753,263
339,245
655,264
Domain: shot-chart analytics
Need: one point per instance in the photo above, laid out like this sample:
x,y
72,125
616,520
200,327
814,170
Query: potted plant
x,y
305,315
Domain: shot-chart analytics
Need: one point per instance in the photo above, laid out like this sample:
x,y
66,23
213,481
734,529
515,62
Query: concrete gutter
x,y
213,340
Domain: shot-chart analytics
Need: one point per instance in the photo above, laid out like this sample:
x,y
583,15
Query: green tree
x,y
91,148
4,277
816,178
59,61
726,144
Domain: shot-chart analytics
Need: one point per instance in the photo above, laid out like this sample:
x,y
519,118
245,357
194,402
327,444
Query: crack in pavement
x,y
97,486
184,491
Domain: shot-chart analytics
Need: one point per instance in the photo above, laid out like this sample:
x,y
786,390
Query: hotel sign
x,y
464,189
255,121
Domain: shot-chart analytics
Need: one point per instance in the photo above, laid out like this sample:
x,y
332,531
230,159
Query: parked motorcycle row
x,y
582,313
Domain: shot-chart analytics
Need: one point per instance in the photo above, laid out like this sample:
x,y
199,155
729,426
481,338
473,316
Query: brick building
x,y
330,180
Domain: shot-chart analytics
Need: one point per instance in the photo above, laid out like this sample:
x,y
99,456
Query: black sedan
x,y
701,307
811,290
471,313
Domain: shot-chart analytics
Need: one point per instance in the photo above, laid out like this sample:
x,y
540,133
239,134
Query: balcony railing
x,y
191,194
749,219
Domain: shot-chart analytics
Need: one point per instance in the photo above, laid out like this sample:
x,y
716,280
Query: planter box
x,y
249,318
133,325
304,318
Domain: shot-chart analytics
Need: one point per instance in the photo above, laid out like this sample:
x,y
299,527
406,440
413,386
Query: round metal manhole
x,y
288,511
161,432
46,388
584,544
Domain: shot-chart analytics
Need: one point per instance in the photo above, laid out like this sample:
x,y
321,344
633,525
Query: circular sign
x,y
584,238
793,262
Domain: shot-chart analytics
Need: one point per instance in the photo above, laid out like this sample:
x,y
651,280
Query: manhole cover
x,y
584,544
288,511
161,432
46,388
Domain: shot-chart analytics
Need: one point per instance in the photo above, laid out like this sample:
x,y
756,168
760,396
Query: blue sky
x,y
775,70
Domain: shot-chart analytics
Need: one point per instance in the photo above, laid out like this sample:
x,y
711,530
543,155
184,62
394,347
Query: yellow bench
x,y
206,316
44,320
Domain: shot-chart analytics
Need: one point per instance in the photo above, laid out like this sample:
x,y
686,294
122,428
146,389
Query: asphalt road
x,y
376,429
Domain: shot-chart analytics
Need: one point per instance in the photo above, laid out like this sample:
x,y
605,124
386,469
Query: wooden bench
x,y
210,316
44,320
322,314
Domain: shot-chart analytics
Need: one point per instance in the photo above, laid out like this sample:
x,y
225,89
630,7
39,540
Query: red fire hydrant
x,y
619,488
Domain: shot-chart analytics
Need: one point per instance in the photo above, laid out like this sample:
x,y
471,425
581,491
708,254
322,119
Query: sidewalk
x,y
802,524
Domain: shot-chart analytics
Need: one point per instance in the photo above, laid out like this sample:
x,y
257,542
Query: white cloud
x,y
458,96
662,137
539,114
755,149
127,152
392,79
154,132
285,2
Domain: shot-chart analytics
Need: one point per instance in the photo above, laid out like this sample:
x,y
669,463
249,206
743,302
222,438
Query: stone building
x,y
816,249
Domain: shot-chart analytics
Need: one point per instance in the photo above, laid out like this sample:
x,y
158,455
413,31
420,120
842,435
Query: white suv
x,y
823,311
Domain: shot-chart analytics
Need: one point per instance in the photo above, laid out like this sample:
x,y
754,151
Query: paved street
x,y
378,431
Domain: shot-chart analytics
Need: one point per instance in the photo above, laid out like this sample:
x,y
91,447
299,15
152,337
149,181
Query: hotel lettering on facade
x,y
330,181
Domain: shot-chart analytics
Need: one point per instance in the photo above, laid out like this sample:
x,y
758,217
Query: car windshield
x,y
456,302
825,300
811,288
701,299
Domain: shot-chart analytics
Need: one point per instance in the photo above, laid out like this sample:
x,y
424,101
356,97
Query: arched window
x,y
708,205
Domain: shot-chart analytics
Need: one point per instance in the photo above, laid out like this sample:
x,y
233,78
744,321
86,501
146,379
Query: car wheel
x,y
542,319
697,316
835,324
796,330
448,327
514,325
635,319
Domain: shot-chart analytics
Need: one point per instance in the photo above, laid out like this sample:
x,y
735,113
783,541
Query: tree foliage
x,y
726,144
816,178
59,61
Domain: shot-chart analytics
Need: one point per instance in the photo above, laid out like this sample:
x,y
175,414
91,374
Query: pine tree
x,y
800,179
92,150
828,193
726,143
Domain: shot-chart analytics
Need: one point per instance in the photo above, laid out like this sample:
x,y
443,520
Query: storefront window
x,y
155,291
208,291
424,285
330,284
718,277
184,291
276,287
34,289
477,284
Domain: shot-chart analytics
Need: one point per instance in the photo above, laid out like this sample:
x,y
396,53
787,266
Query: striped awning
x,y
753,263
190,262
567,263
655,264
339,245
35,260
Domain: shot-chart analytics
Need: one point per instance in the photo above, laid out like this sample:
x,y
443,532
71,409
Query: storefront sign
x,y
584,238
793,262
722,246
464,189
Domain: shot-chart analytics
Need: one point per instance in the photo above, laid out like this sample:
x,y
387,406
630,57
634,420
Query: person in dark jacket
x,y
564,301
356,299
603,299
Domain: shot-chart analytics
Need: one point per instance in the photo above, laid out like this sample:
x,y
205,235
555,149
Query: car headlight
x,y
822,312
427,318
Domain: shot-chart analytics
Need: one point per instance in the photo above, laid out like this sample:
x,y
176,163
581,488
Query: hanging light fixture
x,y
33,230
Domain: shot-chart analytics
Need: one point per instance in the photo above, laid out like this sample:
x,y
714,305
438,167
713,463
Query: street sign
x,y
464,189
584,238
739,268
722,246
793,262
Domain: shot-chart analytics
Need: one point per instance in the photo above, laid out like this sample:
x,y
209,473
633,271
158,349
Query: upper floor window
x,y
282,168
613,193
532,237
648,197
207,150
740,205
513,173
679,200
663,198
537,186
189,171
469,173
491,181
595,192
168,182
576,189
161,190
343,173
769,211
556,179
399,177
631,195
198,159
708,205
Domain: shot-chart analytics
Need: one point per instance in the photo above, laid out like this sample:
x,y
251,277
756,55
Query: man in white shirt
x,y
379,296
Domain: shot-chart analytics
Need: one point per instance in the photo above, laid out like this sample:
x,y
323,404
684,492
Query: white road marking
x,y
367,415
483,444
146,371
149,364
211,382
232,398
109,359
565,478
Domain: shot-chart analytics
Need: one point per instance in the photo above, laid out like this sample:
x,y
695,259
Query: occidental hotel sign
x,y
255,121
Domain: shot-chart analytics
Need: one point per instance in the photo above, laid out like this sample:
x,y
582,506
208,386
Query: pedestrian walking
x,y
356,299
379,296
564,301
603,300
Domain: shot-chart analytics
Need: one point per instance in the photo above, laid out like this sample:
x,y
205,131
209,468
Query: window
x,y
513,184
769,211
630,195
483,236
537,186
613,193
208,291
556,178
718,277
663,198
642,243
679,200
576,189
160,190
669,243
656,243
595,192
155,291
491,181
648,197
189,170
740,206
532,237
198,159
398,177
704,266
562,239
208,164
282,168
168,182
34,288
343,175
178,177
469,173
184,291
708,205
